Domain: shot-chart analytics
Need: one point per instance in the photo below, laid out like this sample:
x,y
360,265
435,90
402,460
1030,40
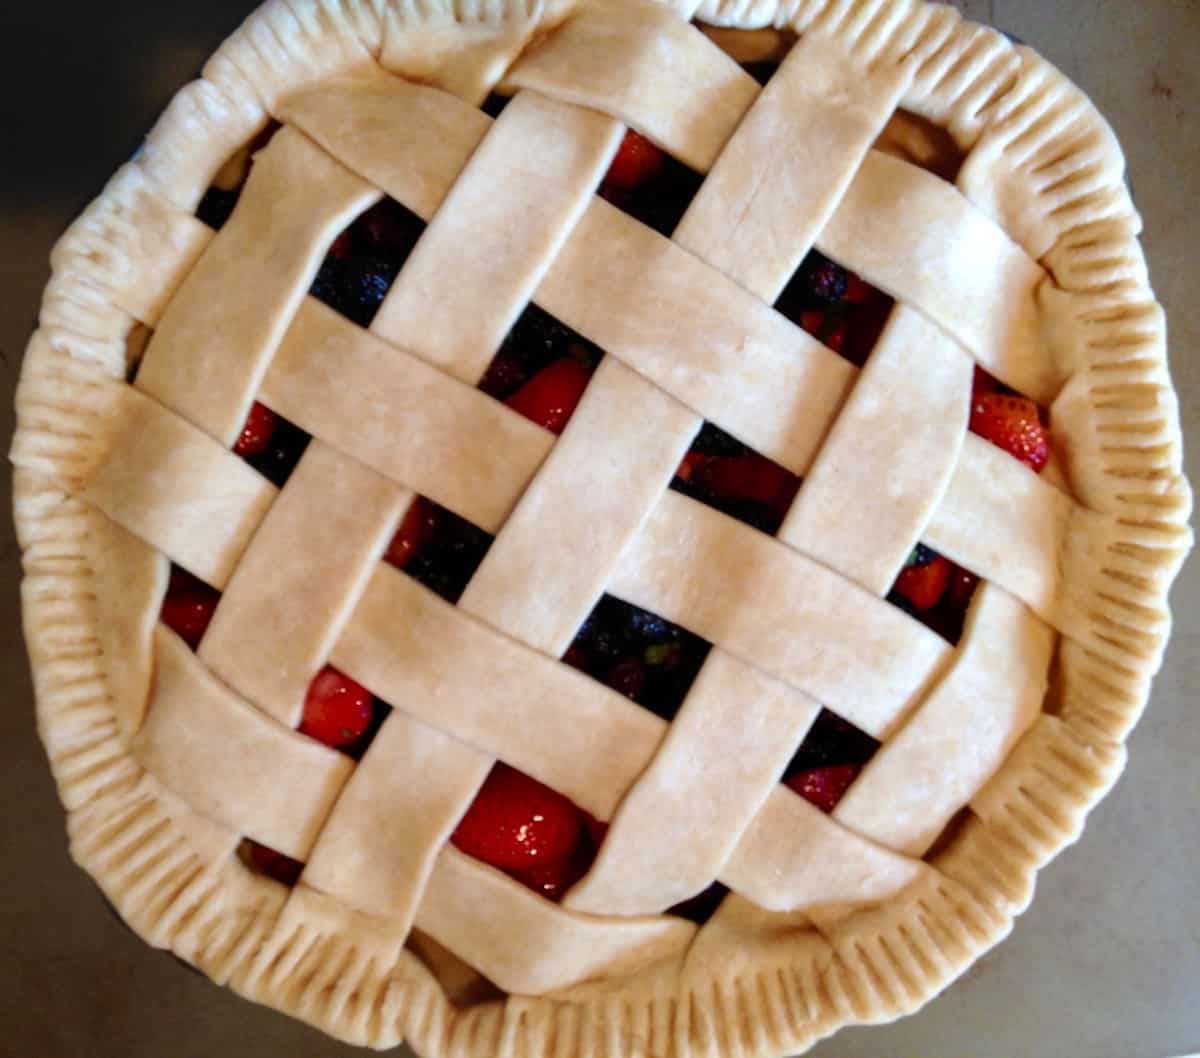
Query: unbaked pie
x,y
600,527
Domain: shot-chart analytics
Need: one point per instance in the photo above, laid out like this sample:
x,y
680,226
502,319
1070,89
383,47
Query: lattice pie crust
x,y
1028,265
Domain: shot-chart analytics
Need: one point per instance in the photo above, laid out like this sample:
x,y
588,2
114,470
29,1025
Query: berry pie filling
x,y
516,824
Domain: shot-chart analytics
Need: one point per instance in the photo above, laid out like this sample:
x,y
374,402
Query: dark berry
x,y
327,286
713,441
825,280
647,626
831,741
277,461
390,228
365,281
216,207
627,677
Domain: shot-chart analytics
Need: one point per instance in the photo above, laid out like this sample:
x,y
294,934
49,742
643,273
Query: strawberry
x,y
825,786
1014,424
813,321
749,476
516,823
273,864
337,710
188,606
418,526
923,582
257,431
549,398
691,463
637,160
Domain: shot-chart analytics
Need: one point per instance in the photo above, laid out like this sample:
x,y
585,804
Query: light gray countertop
x,y
1106,964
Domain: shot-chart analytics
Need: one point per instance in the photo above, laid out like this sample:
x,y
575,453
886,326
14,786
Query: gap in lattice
x,y
936,591
494,105
829,759
221,198
639,654
701,907
438,548
363,261
835,306
542,369
721,472
659,202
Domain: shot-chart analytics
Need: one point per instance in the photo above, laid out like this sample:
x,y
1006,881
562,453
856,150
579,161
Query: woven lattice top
x,y
798,621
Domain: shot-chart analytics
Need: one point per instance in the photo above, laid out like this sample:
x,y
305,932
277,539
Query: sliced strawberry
x,y
257,432
337,710
749,476
273,864
188,606
417,528
550,397
516,823
637,160
824,787
1014,424
924,584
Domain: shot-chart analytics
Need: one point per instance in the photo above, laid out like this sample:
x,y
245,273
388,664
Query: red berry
x,y
813,321
691,463
962,587
982,382
273,864
576,658
188,606
824,787
553,879
418,526
749,476
337,710
549,398
1014,424
835,338
343,246
516,823
637,160
257,432
924,586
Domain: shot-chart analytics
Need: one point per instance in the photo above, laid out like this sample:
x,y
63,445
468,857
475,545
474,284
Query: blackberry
x,y
216,207
825,281
648,627
328,283
365,281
